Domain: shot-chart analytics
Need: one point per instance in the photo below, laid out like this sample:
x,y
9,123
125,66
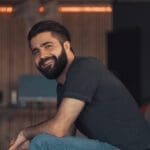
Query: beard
x,y
54,66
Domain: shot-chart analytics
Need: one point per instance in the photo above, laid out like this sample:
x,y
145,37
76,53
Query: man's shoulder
x,y
86,65
86,61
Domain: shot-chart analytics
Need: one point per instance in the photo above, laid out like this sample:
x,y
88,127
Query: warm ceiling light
x,y
41,9
6,10
85,9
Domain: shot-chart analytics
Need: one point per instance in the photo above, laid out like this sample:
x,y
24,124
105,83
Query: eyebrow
x,y
45,43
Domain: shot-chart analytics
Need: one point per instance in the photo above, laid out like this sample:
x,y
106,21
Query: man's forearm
x,y
48,126
61,123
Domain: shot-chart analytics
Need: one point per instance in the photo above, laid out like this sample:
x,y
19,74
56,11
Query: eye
x,y
48,46
35,51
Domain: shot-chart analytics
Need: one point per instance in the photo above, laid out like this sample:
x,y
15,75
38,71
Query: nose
x,y
43,53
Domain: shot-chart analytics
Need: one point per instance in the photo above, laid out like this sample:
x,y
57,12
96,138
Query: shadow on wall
x,y
1,97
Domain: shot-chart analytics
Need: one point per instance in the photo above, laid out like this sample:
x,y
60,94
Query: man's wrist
x,y
26,133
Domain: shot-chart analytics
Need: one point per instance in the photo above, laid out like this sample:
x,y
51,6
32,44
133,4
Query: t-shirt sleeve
x,y
82,81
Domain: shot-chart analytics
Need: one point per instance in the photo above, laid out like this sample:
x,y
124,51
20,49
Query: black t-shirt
x,y
110,114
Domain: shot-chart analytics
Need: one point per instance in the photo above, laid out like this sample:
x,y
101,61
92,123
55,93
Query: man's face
x,y
49,54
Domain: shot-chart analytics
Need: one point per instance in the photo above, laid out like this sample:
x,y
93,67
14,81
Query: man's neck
x,y
62,78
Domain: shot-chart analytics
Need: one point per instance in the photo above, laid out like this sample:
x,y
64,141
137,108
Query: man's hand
x,y
20,143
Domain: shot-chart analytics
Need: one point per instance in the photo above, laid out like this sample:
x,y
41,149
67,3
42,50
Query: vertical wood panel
x,y
15,57
89,33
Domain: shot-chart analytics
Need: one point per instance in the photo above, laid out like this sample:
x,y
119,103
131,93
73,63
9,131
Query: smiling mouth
x,y
49,63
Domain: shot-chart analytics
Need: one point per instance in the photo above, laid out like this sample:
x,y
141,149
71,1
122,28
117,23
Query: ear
x,y
67,45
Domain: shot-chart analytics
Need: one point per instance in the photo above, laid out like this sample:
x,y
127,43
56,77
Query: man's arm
x,y
59,125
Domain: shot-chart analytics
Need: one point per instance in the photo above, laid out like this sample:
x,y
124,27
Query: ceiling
x,y
14,2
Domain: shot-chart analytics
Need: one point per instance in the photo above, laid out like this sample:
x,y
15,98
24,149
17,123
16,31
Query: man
x,y
89,96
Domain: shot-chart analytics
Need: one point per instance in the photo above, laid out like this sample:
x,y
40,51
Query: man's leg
x,y
48,142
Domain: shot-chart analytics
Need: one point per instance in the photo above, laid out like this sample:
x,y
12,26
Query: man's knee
x,y
39,141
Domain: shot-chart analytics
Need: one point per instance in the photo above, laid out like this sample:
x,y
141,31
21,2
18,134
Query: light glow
x,y
41,9
6,10
85,9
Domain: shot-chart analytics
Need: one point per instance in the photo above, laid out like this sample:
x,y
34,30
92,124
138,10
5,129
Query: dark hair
x,y
51,26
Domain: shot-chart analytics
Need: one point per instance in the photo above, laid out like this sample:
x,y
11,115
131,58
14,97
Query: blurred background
x,y
115,31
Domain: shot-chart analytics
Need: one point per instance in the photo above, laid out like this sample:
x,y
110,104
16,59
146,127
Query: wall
x,y
131,17
88,32
15,57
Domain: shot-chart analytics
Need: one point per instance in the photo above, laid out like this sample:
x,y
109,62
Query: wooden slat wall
x,y
88,38
88,32
15,57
